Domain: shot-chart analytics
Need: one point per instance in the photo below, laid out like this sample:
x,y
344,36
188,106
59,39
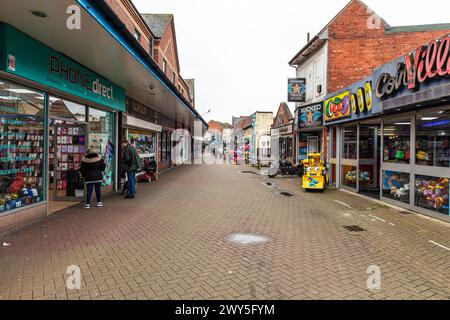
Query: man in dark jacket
x,y
131,163
92,167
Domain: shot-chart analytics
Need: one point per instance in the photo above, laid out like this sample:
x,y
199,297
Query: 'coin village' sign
x,y
425,63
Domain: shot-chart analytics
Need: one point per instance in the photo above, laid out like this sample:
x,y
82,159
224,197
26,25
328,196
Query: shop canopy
x,y
103,46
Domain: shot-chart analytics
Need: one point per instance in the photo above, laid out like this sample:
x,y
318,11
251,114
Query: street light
x,y
205,113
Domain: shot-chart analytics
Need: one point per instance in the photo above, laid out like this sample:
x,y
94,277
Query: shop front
x,y
284,136
310,130
414,93
52,110
140,127
353,122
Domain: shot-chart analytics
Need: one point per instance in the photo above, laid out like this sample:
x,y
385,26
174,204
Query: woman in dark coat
x,y
92,167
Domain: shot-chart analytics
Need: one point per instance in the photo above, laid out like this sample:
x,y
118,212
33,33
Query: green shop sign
x,y
26,57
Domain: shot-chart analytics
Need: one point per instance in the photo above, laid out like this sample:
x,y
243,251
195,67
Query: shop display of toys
x,y
400,192
398,151
364,176
434,192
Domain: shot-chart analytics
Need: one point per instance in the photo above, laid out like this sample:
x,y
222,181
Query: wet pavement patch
x,y
246,239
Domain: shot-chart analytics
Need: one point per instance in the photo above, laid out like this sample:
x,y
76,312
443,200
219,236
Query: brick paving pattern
x,y
170,243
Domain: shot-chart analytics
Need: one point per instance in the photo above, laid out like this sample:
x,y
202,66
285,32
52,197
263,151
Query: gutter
x,y
106,17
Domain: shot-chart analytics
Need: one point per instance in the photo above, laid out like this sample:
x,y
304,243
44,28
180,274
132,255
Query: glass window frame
x,y
44,192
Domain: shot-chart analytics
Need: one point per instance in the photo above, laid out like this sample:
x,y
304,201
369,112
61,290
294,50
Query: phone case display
x,y
21,163
70,151
396,186
432,193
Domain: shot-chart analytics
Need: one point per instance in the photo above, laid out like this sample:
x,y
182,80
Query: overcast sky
x,y
238,50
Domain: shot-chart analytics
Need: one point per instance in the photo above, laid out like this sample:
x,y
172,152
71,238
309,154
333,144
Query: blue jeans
x,y
131,183
90,189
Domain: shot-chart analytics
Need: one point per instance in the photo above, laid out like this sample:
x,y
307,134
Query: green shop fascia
x,y
42,89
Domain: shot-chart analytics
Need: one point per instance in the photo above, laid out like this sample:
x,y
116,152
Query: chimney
x,y
308,37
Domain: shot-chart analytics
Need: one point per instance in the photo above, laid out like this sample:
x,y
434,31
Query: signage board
x,y
297,90
30,59
310,116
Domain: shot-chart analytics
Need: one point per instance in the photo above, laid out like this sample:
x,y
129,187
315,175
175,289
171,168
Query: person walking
x,y
131,164
92,167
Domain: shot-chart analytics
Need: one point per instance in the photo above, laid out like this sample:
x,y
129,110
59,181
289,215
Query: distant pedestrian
x,y
131,164
92,167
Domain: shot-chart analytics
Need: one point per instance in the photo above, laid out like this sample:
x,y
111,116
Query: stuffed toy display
x,y
433,193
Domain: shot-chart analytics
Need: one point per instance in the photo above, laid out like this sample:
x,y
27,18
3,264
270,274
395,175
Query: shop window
x,y
349,176
289,147
396,146
21,148
396,186
433,139
101,140
66,110
143,142
349,142
432,194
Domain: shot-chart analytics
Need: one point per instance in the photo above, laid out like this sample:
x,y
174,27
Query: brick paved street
x,y
170,243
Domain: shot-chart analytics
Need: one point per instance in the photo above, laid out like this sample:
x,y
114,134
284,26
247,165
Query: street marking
x,y
439,245
375,217
344,204
392,224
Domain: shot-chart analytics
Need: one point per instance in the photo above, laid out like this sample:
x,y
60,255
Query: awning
x,y
100,46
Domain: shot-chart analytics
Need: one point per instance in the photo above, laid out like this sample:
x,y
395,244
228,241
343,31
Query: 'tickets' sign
x,y
310,116
338,107
425,63
297,90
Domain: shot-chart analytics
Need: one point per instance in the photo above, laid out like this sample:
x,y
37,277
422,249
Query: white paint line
x,y
392,224
375,217
344,204
439,245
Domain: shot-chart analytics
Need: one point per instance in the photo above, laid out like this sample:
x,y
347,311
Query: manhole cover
x,y
247,239
355,228
286,194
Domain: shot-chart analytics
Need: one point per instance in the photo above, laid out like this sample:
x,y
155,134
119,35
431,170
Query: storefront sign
x,y
310,116
282,131
30,59
425,63
297,90
338,107
140,111
362,100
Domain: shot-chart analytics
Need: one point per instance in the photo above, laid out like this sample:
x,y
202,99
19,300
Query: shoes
x,y
129,197
100,204
87,206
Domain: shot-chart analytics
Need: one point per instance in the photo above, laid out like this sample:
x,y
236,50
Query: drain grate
x,y
355,228
248,172
286,194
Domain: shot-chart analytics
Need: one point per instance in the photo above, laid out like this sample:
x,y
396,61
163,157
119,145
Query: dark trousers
x,y
131,183
90,189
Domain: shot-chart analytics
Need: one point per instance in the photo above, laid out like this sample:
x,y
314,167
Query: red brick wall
x,y
131,18
355,50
